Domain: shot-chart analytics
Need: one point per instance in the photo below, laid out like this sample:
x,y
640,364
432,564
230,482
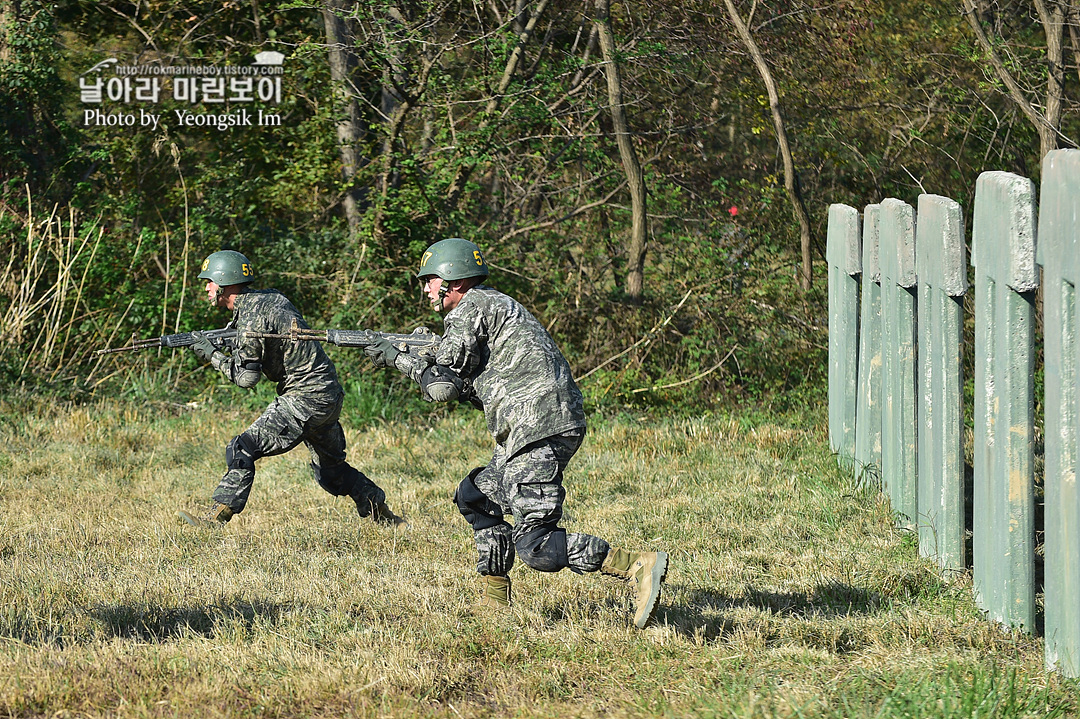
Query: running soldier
x,y
496,355
306,409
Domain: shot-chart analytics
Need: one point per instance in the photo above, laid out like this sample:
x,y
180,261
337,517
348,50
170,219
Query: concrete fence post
x,y
1059,256
868,404
941,266
1003,254
845,264
898,438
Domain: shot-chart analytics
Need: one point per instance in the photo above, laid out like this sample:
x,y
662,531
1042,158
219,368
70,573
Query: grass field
x,y
790,594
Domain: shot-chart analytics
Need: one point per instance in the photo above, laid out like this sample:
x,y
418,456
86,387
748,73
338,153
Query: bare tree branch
x,y
457,185
573,213
1041,122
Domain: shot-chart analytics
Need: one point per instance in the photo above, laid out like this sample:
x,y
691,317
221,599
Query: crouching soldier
x,y
306,409
512,368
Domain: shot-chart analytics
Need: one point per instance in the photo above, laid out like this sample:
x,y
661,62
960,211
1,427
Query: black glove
x,y
203,348
382,352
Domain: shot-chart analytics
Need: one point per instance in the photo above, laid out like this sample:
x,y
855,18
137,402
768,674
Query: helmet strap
x,y
443,292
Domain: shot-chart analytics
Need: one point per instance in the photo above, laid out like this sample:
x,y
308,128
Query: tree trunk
x,y
405,100
349,127
1073,15
395,80
639,227
1051,14
389,166
256,21
9,16
520,16
791,181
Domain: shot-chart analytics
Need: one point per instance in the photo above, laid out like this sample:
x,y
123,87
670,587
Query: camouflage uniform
x,y
306,409
534,412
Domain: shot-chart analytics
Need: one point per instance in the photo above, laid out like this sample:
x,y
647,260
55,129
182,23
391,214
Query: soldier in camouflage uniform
x,y
306,409
496,355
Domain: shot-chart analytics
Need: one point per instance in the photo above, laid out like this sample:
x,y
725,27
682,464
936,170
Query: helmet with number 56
x,y
453,259
227,267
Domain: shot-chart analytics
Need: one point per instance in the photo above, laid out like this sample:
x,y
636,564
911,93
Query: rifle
x,y
423,340
219,338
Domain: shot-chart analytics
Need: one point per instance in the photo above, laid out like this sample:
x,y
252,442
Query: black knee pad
x,y
241,452
441,384
544,549
474,505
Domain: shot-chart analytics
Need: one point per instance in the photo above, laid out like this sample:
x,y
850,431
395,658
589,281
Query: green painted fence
x,y
896,256
940,263
908,405
1003,254
868,401
844,267
1059,256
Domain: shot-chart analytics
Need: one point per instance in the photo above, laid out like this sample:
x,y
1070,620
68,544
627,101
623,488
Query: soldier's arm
x,y
413,366
241,366
464,344
442,379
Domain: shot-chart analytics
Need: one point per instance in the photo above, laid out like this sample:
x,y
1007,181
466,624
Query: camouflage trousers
x,y
288,421
528,486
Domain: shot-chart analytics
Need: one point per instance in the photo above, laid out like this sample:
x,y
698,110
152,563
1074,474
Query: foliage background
x,y
102,228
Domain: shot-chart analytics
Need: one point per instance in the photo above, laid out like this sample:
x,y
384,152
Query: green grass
x,y
790,593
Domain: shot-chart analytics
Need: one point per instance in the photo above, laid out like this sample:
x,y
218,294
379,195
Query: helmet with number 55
x,y
453,259
227,267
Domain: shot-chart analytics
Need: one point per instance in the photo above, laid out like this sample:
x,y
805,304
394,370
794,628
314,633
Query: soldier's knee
x,y
242,452
475,506
544,549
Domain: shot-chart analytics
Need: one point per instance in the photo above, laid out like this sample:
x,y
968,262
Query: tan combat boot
x,y
644,572
213,518
495,592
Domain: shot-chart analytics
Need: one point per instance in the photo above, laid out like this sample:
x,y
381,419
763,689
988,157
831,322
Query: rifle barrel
x,y
133,347
183,339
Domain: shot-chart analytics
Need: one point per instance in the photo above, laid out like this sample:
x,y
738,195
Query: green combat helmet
x,y
227,267
453,259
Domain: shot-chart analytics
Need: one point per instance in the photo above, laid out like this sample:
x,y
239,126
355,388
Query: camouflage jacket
x,y
516,371
298,367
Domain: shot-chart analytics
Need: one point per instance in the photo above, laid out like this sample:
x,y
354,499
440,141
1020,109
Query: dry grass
x,y
789,595
42,283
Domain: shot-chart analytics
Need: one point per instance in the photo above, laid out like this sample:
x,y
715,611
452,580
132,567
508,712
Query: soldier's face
x,y
213,293
219,296
432,287
444,296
